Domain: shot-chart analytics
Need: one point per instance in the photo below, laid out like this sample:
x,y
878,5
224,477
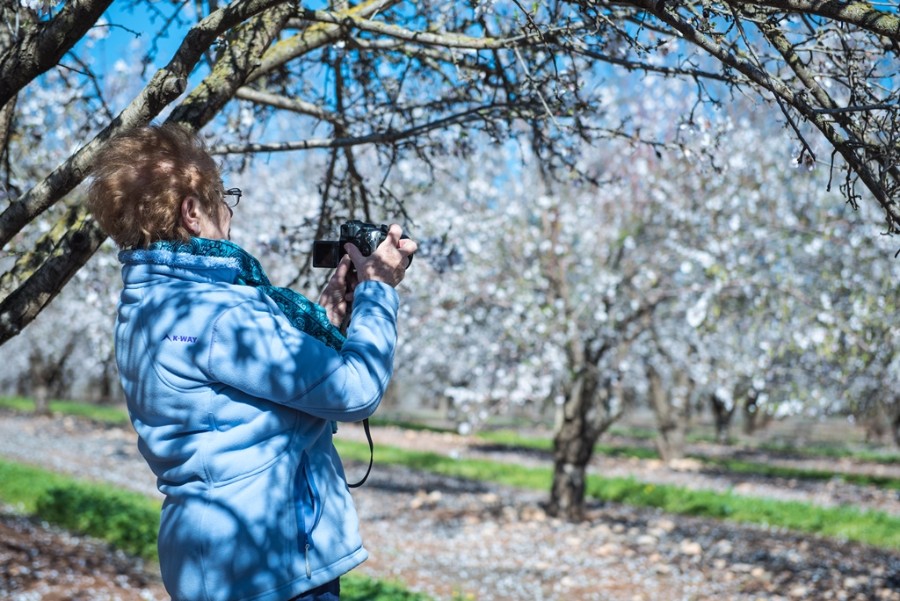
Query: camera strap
x,y
371,455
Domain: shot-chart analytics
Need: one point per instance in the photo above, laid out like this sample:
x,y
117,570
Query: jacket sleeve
x,y
256,350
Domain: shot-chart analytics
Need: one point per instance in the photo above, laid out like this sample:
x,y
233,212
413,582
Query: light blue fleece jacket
x,y
232,406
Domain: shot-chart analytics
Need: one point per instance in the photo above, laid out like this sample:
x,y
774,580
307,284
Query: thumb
x,y
343,268
394,233
355,255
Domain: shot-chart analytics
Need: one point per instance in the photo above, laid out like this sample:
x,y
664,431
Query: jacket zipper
x,y
304,488
308,567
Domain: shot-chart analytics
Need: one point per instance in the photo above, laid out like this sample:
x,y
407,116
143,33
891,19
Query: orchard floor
x,y
455,539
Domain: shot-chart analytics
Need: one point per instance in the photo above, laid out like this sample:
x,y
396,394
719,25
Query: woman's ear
x,y
192,214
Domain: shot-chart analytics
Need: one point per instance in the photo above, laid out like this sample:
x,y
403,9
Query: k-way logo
x,y
187,339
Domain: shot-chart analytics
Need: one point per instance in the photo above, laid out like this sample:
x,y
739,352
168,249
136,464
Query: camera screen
x,y
327,253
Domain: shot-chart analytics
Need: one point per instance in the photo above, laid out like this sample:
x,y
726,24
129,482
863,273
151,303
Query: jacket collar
x,y
169,258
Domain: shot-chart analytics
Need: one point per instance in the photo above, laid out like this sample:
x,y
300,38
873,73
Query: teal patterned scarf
x,y
304,314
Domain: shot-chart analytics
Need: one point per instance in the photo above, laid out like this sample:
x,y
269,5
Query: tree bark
x,y
892,411
751,413
41,397
70,244
722,415
895,430
23,303
671,415
572,449
586,415
242,52
40,46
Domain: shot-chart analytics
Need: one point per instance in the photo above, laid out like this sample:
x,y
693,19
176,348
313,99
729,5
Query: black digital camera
x,y
365,236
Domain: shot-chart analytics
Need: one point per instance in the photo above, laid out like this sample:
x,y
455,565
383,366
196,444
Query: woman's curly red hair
x,y
141,178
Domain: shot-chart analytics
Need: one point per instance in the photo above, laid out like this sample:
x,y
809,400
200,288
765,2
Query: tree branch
x,y
756,74
242,49
631,65
48,269
385,137
164,87
295,105
445,40
856,109
857,138
313,37
860,14
41,48
71,242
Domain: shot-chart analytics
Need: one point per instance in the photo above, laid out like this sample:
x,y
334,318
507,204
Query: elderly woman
x,y
233,384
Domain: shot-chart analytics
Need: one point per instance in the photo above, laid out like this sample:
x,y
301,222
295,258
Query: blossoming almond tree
x,y
376,85
393,74
686,273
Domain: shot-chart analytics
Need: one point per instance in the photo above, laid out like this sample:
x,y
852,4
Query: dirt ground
x,y
40,562
455,539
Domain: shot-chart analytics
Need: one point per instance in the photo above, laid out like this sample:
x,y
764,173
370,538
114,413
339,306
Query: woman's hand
x,y
337,297
389,261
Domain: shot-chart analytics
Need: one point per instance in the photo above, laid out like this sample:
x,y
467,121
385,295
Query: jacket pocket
x,y
308,507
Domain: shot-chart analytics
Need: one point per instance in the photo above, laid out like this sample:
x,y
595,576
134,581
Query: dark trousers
x,y
330,591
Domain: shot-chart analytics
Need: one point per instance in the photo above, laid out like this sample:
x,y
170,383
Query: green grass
x,y
21,485
874,528
407,424
831,451
126,519
815,449
776,471
511,439
473,469
98,413
130,520
355,587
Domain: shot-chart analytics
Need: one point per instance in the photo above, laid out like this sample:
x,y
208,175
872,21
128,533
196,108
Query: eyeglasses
x,y
235,193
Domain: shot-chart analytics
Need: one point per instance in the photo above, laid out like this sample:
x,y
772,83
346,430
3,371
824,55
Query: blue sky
x,y
133,28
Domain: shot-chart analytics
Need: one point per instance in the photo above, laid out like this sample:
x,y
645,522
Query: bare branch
x,y
856,109
856,141
446,40
245,44
860,14
386,137
294,105
313,37
165,86
631,65
757,75
41,48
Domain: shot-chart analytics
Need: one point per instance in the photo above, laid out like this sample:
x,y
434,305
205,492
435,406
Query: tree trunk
x,y
107,382
751,412
670,442
722,415
41,398
671,415
572,449
895,430
895,422
586,414
874,420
